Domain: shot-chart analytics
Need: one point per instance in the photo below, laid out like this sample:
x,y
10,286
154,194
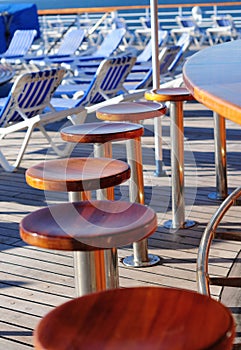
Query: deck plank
x,y
34,281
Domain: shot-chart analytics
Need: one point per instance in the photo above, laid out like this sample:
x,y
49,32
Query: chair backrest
x,y
183,42
224,21
166,57
146,54
30,94
108,80
110,43
71,42
186,22
146,22
20,43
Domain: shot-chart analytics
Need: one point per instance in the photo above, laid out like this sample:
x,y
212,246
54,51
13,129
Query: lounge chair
x,y
142,58
146,54
19,46
105,50
224,29
107,83
67,48
190,26
131,86
168,60
28,106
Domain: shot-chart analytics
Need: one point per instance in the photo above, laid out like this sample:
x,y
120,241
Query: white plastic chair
x,y
19,45
224,29
67,48
28,106
106,84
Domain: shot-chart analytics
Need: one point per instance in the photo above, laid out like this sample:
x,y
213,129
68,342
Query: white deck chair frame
x,y
25,108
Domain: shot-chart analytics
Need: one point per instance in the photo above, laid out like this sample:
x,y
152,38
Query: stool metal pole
x,y
104,150
95,271
220,158
177,165
140,255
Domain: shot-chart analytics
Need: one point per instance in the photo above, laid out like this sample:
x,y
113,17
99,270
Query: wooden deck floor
x,y
34,281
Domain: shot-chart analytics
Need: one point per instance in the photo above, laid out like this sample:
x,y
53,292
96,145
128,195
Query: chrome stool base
x,y
187,224
152,260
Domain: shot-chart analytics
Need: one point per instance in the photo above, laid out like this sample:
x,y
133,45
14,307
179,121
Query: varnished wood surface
x,y
138,318
77,174
88,225
213,76
131,111
101,132
169,94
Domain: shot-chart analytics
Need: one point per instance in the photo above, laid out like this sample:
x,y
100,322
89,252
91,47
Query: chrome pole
x,y
177,165
95,271
140,255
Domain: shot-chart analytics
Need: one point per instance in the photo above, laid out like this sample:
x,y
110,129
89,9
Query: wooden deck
x,y
34,281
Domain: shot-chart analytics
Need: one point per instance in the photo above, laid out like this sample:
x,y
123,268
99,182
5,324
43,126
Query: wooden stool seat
x,y
131,111
169,94
137,318
87,226
77,174
101,132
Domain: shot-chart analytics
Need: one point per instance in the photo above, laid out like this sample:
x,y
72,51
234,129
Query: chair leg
x,y
6,164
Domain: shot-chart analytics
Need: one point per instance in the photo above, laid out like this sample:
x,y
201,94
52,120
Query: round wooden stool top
x,y
88,225
174,94
131,111
101,132
137,318
77,174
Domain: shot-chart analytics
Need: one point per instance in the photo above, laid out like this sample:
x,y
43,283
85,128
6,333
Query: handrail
x,y
116,8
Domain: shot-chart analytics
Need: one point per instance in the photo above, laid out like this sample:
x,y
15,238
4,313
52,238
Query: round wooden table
x,y
213,76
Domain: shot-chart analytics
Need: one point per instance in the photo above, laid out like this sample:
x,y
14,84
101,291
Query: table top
x,y
213,76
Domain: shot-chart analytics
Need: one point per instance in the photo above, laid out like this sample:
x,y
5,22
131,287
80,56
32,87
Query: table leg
x,y
220,158
177,166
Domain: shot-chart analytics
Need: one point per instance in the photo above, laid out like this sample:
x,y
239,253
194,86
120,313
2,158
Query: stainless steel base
x,y
187,224
152,260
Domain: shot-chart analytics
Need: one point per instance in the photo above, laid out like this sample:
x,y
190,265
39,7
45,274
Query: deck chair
x,y
146,54
105,50
143,79
107,83
28,106
19,45
224,29
190,26
68,47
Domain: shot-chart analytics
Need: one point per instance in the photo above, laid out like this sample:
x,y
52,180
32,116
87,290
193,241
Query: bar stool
x,y
176,96
93,230
78,177
102,134
135,112
138,318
